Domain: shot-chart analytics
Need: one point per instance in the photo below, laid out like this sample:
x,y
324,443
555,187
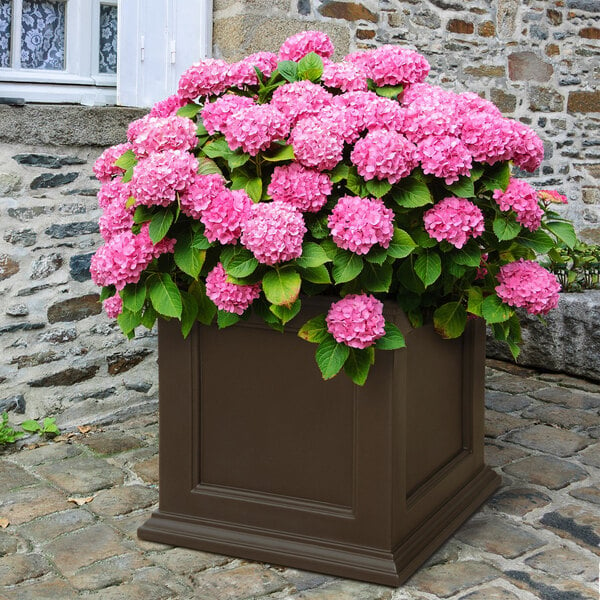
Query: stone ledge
x,y
66,124
569,344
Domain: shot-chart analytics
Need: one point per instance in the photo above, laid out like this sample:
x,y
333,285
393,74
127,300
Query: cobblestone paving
x,y
538,537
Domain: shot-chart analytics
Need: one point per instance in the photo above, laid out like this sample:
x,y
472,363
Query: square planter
x,y
262,459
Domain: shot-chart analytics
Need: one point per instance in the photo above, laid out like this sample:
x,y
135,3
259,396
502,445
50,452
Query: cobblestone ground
x,y
538,537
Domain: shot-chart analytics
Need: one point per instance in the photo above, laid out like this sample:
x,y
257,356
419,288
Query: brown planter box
x,y
262,459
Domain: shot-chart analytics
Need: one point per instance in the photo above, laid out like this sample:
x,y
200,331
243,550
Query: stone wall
x,y
536,59
61,355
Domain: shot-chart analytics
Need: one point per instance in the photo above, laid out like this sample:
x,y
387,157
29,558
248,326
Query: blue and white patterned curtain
x,y
5,32
107,56
43,35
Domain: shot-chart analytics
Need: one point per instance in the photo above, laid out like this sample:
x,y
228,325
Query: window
x,y
59,50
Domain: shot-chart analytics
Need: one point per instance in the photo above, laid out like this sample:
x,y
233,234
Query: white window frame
x,y
80,82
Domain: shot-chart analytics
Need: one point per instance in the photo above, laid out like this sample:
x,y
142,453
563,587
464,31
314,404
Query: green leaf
x,y
312,255
226,319
189,110
392,340
285,314
563,231
288,70
128,321
318,274
189,313
49,427
413,193
428,268
389,91
494,310
376,278
30,426
240,179
159,225
505,227
476,172
199,242
187,258
238,261
134,295
127,160
206,166
538,241
281,153
206,308
377,255
148,317
142,214
340,172
281,286
237,159
378,188
401,245
164,295
218,148
108,291
358,363
475,303
469,255
356,184
496,177
200,129
463,188
310,67
319,228
331,357
346,266
315,330
450,320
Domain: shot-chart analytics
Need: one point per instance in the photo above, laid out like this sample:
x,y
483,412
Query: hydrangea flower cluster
x,y
229,297
274,232
521,198
526,284
357,224
357,320
288,174
455,220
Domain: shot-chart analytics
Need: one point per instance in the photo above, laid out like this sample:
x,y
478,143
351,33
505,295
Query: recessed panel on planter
x,y
257,428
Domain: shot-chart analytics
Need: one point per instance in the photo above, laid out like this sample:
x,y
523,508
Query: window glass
x,y
5,32
43,35
107,57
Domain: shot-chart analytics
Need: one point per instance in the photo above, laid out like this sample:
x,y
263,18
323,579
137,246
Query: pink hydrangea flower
x,y
168,107
552,196
104,167
422,92
527,149
242,73
300,99
274,232
299,45
526,284
357,224
215,115
444,156
265,61
228,296
208,77
344,76
114,191
317,143
255,128
434,115
113,306
156,134
115,219
384,154
455,220
122,259
356,320
523,200
469,103
391,65
383,113
200,193
487,137
157,179
225,216
305,189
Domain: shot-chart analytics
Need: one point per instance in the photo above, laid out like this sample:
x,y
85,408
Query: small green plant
x,y
576,268
8,435
48,427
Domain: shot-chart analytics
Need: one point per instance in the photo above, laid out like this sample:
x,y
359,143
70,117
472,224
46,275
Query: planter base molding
x,y
261,459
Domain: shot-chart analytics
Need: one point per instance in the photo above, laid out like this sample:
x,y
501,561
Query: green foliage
x,y
48,427
8,435
577,268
